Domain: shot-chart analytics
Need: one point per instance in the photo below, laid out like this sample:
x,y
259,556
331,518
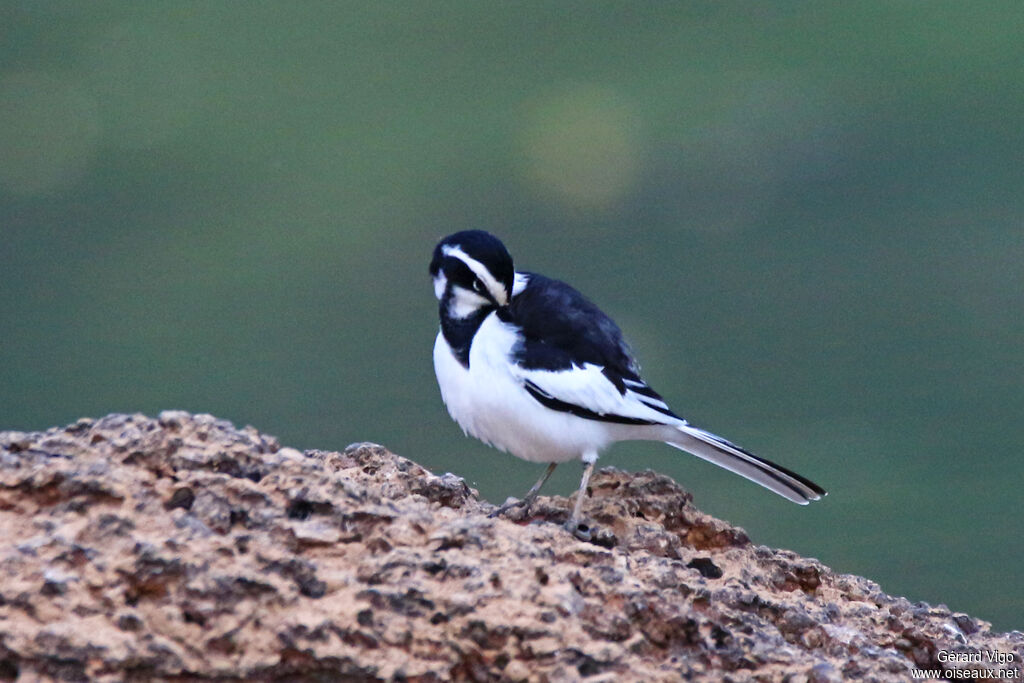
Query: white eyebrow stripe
x,y
496,289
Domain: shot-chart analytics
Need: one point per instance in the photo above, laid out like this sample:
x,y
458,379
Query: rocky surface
x,y
182,548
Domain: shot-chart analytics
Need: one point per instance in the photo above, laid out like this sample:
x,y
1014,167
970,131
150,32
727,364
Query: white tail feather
x,y
717,450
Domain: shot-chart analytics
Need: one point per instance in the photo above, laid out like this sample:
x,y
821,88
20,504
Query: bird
x,y
529,365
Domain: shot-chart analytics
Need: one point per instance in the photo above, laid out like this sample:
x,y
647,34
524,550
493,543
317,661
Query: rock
x,y
182,547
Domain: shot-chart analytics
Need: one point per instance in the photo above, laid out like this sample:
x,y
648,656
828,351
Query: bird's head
x,y
472,270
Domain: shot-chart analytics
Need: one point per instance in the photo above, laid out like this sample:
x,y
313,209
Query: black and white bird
x,y
530,366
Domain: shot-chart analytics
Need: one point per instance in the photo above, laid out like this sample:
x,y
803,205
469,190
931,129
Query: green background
x,y
807,217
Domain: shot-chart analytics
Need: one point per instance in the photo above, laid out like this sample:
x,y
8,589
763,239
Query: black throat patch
x,y
459,332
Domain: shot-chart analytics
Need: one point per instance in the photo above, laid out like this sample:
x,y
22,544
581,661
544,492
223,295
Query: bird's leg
x,y
573,526
530,495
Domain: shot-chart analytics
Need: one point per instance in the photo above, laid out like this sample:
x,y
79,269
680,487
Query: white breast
x,y
491,404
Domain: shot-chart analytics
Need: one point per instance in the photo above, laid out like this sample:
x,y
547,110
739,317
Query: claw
x,y
529,497
579,529
509,505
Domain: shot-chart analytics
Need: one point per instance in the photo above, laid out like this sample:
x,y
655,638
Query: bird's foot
x,y
580,530
512,504
591,533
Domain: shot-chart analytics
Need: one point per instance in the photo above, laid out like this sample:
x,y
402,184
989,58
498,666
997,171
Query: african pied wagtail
x,y
530,366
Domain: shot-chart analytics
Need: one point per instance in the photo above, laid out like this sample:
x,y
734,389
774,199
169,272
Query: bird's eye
x,y
478,287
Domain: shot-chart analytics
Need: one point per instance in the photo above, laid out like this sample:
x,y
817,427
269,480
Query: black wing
x,y
561,330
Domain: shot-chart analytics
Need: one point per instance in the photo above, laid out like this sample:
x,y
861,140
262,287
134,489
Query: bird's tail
x,y
717,450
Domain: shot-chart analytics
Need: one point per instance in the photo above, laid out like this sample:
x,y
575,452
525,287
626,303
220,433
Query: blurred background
x,y
806,217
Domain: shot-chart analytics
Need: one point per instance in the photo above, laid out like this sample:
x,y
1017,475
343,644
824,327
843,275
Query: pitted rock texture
x,y
182,548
